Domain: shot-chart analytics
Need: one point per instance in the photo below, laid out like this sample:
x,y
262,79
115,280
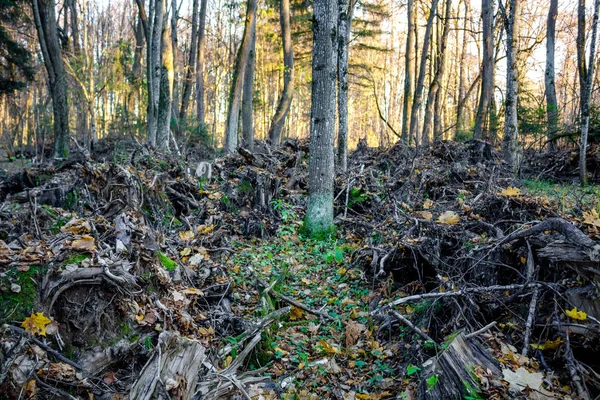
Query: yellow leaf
x,y
139,317
427,204
86,243
360,396
426,215
591,218
510,192
203,229
36,324
341,271
296,314
448,218
305,281
76,226
186,236
185,252
576,314
193,291
326,347
547,345
206,332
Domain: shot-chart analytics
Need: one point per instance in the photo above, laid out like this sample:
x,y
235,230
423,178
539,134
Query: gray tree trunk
x,y
414,117
510,144
248,95
319,214
154,65
587,90
190,71
287,94
549,77
163,129
434,87
45,22
487,69
462,79
200,67
345,12
237,82
408,71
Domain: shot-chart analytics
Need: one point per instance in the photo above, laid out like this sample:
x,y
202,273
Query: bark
x,y
587,91
235,94
200,67
422,69
345,12
47,29
190,70
248,94
408,71
434,87
462,79
487,69
163,129
549,77
285,101
319,215
176,68
511,128
139,48
154,65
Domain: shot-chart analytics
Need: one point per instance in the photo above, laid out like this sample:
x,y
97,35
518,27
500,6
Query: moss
x,y
166,262
18,306
318,222
75,258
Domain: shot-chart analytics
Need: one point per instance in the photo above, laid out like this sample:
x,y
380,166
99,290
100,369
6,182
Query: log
x,y
172,371
455,371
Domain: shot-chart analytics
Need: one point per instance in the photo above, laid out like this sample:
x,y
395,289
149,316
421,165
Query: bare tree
x,y
586,81
487,69
248,95
47,29
163,128
408,70
287,94
200,66
190,69
319,214
549,80
510,144
237,82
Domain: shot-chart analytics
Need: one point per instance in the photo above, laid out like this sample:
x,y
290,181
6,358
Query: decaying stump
x,y
456,370
172,369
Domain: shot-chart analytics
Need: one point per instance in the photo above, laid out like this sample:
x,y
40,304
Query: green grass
x,y
569,198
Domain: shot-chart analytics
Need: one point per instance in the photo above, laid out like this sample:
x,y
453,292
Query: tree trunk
x,y
487,69
287,94
190,71
319,215
163,129
551,101
408,71
587,89
235,94
422,69
248,94
434,87
154,65
200,67
511,127
47,29
345,12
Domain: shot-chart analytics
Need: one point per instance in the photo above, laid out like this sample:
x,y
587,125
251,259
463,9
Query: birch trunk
x,y
487,69
319,215
549,77
511,128
163,129
200,67
408,71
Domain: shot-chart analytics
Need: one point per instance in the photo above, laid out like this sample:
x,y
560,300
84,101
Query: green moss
x,y
318,222
75,258
18,306
166,262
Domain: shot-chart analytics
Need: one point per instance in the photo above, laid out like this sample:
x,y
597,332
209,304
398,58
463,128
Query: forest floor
x,y
127,274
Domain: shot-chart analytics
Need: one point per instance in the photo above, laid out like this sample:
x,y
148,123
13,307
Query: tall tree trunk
x,y
345,12
462,79
287,94
176,67
154,64
414,117
237,82
511,128
551,101
190,71
434,87
45,22
200,67
408,70
587,89
487,69
319,215
163,129
248,95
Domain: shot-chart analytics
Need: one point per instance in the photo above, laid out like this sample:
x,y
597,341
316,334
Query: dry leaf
x,y
548,344
426,215
296,314
510,192
36,324
77,226
324,346
86,243
427,204
185,252
353,331
576,314
591,218
186,236
193,291
203,229
448,218
521,379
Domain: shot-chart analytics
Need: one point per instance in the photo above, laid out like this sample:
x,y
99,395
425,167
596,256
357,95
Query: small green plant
x,y
357,195
432,381
412,369
166,262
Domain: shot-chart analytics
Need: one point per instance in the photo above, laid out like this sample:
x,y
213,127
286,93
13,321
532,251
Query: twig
x,y
45,347
62,394
457,293
33,210
415,329
533,303
480,331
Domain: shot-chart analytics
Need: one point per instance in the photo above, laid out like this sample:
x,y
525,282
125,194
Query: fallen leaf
x,y
203,229
77,226
448,218
353,331
426,215
325,347
548,344
522,379
185,252
296,314
576,314
510,192
186,236
86,243
591,218
193,291
427,204
36,324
